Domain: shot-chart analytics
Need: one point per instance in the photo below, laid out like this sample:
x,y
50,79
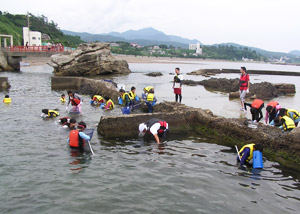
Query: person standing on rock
x,y
157,127
255,109
244,86
177,85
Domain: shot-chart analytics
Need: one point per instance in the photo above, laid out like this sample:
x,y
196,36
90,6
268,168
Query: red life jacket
x,y
151,122
244,82
273,104
74,139
75,102
257,103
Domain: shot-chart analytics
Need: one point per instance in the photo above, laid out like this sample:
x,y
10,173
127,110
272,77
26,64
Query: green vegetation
x,y
13,25
209,52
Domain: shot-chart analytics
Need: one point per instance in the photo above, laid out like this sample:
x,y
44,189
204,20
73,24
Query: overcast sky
x,y
268,24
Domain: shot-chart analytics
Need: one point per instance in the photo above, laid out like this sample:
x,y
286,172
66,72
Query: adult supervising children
x,y
177,83
244,85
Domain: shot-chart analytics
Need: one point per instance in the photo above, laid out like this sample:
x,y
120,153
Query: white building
x,y
196,47
34,38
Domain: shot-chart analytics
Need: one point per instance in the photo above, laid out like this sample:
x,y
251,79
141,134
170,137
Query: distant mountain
x,y
268,54
295,52
146,36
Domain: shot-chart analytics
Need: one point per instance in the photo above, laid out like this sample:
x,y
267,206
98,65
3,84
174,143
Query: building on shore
x,y
196,47
31,38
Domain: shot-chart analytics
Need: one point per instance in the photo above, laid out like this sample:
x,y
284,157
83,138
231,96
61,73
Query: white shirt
x,y
177,84
155,127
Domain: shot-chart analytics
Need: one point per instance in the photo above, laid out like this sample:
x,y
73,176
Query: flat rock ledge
x,y
154,74
183,120
89,59
85,86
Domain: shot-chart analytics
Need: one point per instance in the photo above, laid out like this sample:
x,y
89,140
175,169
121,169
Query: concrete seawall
x,y
279,146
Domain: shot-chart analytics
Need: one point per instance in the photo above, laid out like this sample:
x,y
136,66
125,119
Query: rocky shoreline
x,y
282,147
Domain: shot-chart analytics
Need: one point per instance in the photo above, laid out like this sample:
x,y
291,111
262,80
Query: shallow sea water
x,y
39,174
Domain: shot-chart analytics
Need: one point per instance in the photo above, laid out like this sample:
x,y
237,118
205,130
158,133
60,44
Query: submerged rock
x,y
88,60
154,74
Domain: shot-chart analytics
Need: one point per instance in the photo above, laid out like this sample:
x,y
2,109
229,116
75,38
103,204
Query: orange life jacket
x,y
273,104
75,102
257,103
74,139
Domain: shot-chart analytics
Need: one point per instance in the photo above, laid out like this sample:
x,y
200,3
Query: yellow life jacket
x,y
296,114
55,113
7,100
148,88
112,104
288,123
132,95
123,96
98,98
150,97
63,99
250,146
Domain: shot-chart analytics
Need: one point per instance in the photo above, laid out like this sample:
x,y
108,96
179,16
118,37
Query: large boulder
x,y
3,63
88,60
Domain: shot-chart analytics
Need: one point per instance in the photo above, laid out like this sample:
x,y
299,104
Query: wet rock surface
x,y
85,86
264,90
154,74
88,60
282,146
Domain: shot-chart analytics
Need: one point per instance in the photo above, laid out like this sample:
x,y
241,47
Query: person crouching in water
x,y
97,99
255,109
6,99
68,123
284,122
109,105
46,113
157,127
63,98
77,138
126,98
75,101
272,111
246,153
292,113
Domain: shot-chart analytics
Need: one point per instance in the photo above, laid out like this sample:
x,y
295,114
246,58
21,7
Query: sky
x,y
272,25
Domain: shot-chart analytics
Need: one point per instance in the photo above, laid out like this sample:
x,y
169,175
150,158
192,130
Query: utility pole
x,y
28,25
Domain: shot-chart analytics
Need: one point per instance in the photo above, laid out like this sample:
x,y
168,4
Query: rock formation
x,y
3,63
85,86
264,90
154,74
88,60
283,147
211,72
4,85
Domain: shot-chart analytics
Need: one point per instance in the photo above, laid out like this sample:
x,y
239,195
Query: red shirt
x,y
244,79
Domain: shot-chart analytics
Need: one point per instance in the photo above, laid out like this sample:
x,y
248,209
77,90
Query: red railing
x,y
52,48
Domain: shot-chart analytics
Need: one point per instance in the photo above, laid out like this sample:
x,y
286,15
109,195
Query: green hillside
x,y
13,24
